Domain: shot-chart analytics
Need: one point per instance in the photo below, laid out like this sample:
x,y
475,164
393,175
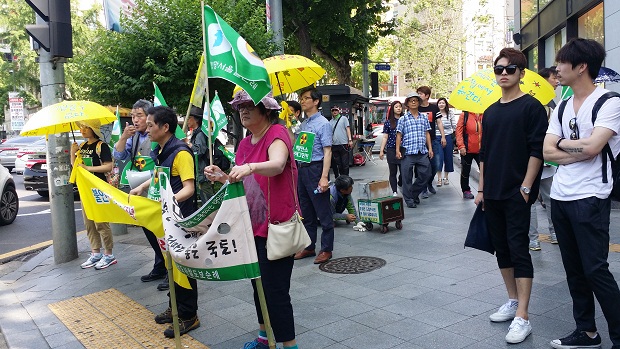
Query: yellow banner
x,y
104,203
200,84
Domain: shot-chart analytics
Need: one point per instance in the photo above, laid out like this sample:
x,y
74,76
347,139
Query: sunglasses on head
x,y
510,69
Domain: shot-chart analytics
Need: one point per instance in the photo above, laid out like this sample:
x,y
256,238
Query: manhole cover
x,y
352,265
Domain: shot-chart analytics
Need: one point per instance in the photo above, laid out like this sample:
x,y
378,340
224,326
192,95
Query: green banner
x,y
302,150
158,182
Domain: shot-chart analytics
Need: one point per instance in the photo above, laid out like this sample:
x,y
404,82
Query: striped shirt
x,y
413,133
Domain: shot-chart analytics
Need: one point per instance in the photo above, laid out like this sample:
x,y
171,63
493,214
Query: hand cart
x,y
381,211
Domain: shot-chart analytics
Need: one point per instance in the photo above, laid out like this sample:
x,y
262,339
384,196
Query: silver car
x,y
10,147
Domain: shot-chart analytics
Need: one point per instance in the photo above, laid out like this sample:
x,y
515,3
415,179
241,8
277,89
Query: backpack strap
x,y
561,109
465,138
606,151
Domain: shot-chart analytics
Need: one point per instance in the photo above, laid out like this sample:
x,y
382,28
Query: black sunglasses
x,y
510,69
572,124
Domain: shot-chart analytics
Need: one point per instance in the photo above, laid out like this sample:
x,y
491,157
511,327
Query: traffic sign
x,y
382,66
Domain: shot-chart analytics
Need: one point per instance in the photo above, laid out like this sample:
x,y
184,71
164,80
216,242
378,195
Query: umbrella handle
x,y
71,127
279,86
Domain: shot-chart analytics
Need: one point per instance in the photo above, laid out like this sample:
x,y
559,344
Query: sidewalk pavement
x,y
432,292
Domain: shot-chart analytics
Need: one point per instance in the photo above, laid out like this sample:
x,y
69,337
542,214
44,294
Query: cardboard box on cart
x,y
375,190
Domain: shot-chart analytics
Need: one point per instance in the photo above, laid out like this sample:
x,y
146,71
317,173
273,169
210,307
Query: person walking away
x,y
413,147
342,143
314,176
134,142
580,202
267,168
468,141
432,113
97,154
175,154
446,163
388,146
546,180
510,166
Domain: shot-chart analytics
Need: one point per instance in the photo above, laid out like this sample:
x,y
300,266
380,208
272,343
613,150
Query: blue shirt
x,y
127,152
322,130
391,132
413,133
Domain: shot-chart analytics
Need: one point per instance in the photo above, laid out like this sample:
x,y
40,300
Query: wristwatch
x,y
525,190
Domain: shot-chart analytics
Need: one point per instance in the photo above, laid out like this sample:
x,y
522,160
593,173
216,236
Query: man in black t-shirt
x,y
510,167
433,114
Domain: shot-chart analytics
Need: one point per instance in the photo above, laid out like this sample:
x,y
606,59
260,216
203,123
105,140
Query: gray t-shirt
x,y
340,133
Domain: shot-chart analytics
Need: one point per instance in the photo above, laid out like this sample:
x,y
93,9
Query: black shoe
x,y
412,205
577,339
431,189
165,317
184,326
164,285
152,276
416,200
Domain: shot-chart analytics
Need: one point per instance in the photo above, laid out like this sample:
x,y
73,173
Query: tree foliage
x,y
336,31
430,39
162,42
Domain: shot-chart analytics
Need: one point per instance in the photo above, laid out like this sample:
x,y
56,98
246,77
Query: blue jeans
x,y
446,163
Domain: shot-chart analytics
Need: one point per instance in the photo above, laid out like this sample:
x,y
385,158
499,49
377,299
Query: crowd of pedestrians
x,y
527,153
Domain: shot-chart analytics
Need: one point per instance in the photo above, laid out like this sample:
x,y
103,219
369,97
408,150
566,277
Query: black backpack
x,y
606,151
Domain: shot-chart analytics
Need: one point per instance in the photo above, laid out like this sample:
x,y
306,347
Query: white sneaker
x,y
519,330
395,194
506,312
92,260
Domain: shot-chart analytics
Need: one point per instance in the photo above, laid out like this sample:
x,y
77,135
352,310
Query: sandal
x,y
439,183
446,181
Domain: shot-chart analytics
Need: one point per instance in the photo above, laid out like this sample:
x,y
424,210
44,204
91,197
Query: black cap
x,y
196,112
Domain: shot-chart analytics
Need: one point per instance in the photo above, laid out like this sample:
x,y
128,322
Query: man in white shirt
x,y
580,203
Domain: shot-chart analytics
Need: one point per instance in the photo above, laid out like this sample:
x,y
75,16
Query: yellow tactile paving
x,y
546,238
109,319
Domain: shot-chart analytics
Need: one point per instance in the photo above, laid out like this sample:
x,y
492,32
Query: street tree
x,y
336,31
429,40
161,42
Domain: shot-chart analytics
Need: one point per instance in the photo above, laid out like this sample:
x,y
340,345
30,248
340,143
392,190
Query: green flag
x,y
230,57
217,118
116,129
158,99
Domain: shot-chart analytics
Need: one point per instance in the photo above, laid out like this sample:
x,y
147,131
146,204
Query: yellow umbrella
x,y
63,117
289,73
477,92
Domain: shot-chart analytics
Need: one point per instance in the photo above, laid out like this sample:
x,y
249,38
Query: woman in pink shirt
x,y
265,165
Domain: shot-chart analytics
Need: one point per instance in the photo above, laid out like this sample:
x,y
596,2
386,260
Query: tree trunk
x,y
342,65
305,43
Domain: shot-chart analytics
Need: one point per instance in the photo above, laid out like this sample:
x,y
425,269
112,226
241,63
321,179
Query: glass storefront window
x,y
529,8
591,25
532,59
553,45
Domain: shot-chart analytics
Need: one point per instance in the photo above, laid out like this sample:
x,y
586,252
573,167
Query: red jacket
x,y
474,133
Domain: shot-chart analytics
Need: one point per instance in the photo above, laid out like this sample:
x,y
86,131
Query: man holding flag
x,y
177,156
133,142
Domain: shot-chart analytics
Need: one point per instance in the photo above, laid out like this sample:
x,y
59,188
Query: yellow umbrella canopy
x,y
289,73
64,117
477,92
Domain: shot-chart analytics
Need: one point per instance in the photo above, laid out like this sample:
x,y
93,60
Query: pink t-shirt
x,y
283,186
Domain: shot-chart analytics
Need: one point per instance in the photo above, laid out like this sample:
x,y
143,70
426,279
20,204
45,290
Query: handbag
x,y
284,239
478,234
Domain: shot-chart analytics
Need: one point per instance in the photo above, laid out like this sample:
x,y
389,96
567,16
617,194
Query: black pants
x,y
340,160
159,267
466,162
394,167
315,207
509,223
582,229
187,300
276,278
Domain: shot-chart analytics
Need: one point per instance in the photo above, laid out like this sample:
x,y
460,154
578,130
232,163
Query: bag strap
x,y
134,150
337,121
269,194
606,151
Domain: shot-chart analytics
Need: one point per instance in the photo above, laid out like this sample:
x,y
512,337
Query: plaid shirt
x,y
413,132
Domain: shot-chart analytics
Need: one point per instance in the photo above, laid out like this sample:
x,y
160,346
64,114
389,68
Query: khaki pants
x,y
98,232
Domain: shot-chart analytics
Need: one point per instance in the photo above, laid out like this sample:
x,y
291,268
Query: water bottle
x,y
318,190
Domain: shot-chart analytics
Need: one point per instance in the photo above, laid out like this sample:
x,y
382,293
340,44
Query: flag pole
x,y
263,307
173,301
207,98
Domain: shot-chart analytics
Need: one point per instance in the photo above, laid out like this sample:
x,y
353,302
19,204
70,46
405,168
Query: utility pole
x,y
277,25
366,90
53,33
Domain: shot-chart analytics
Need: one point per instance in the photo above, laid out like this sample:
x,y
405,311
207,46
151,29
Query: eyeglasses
x,y
246,107
572,124
304,98
510,69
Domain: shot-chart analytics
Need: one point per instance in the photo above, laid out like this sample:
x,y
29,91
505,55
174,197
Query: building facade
x,y
542,27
